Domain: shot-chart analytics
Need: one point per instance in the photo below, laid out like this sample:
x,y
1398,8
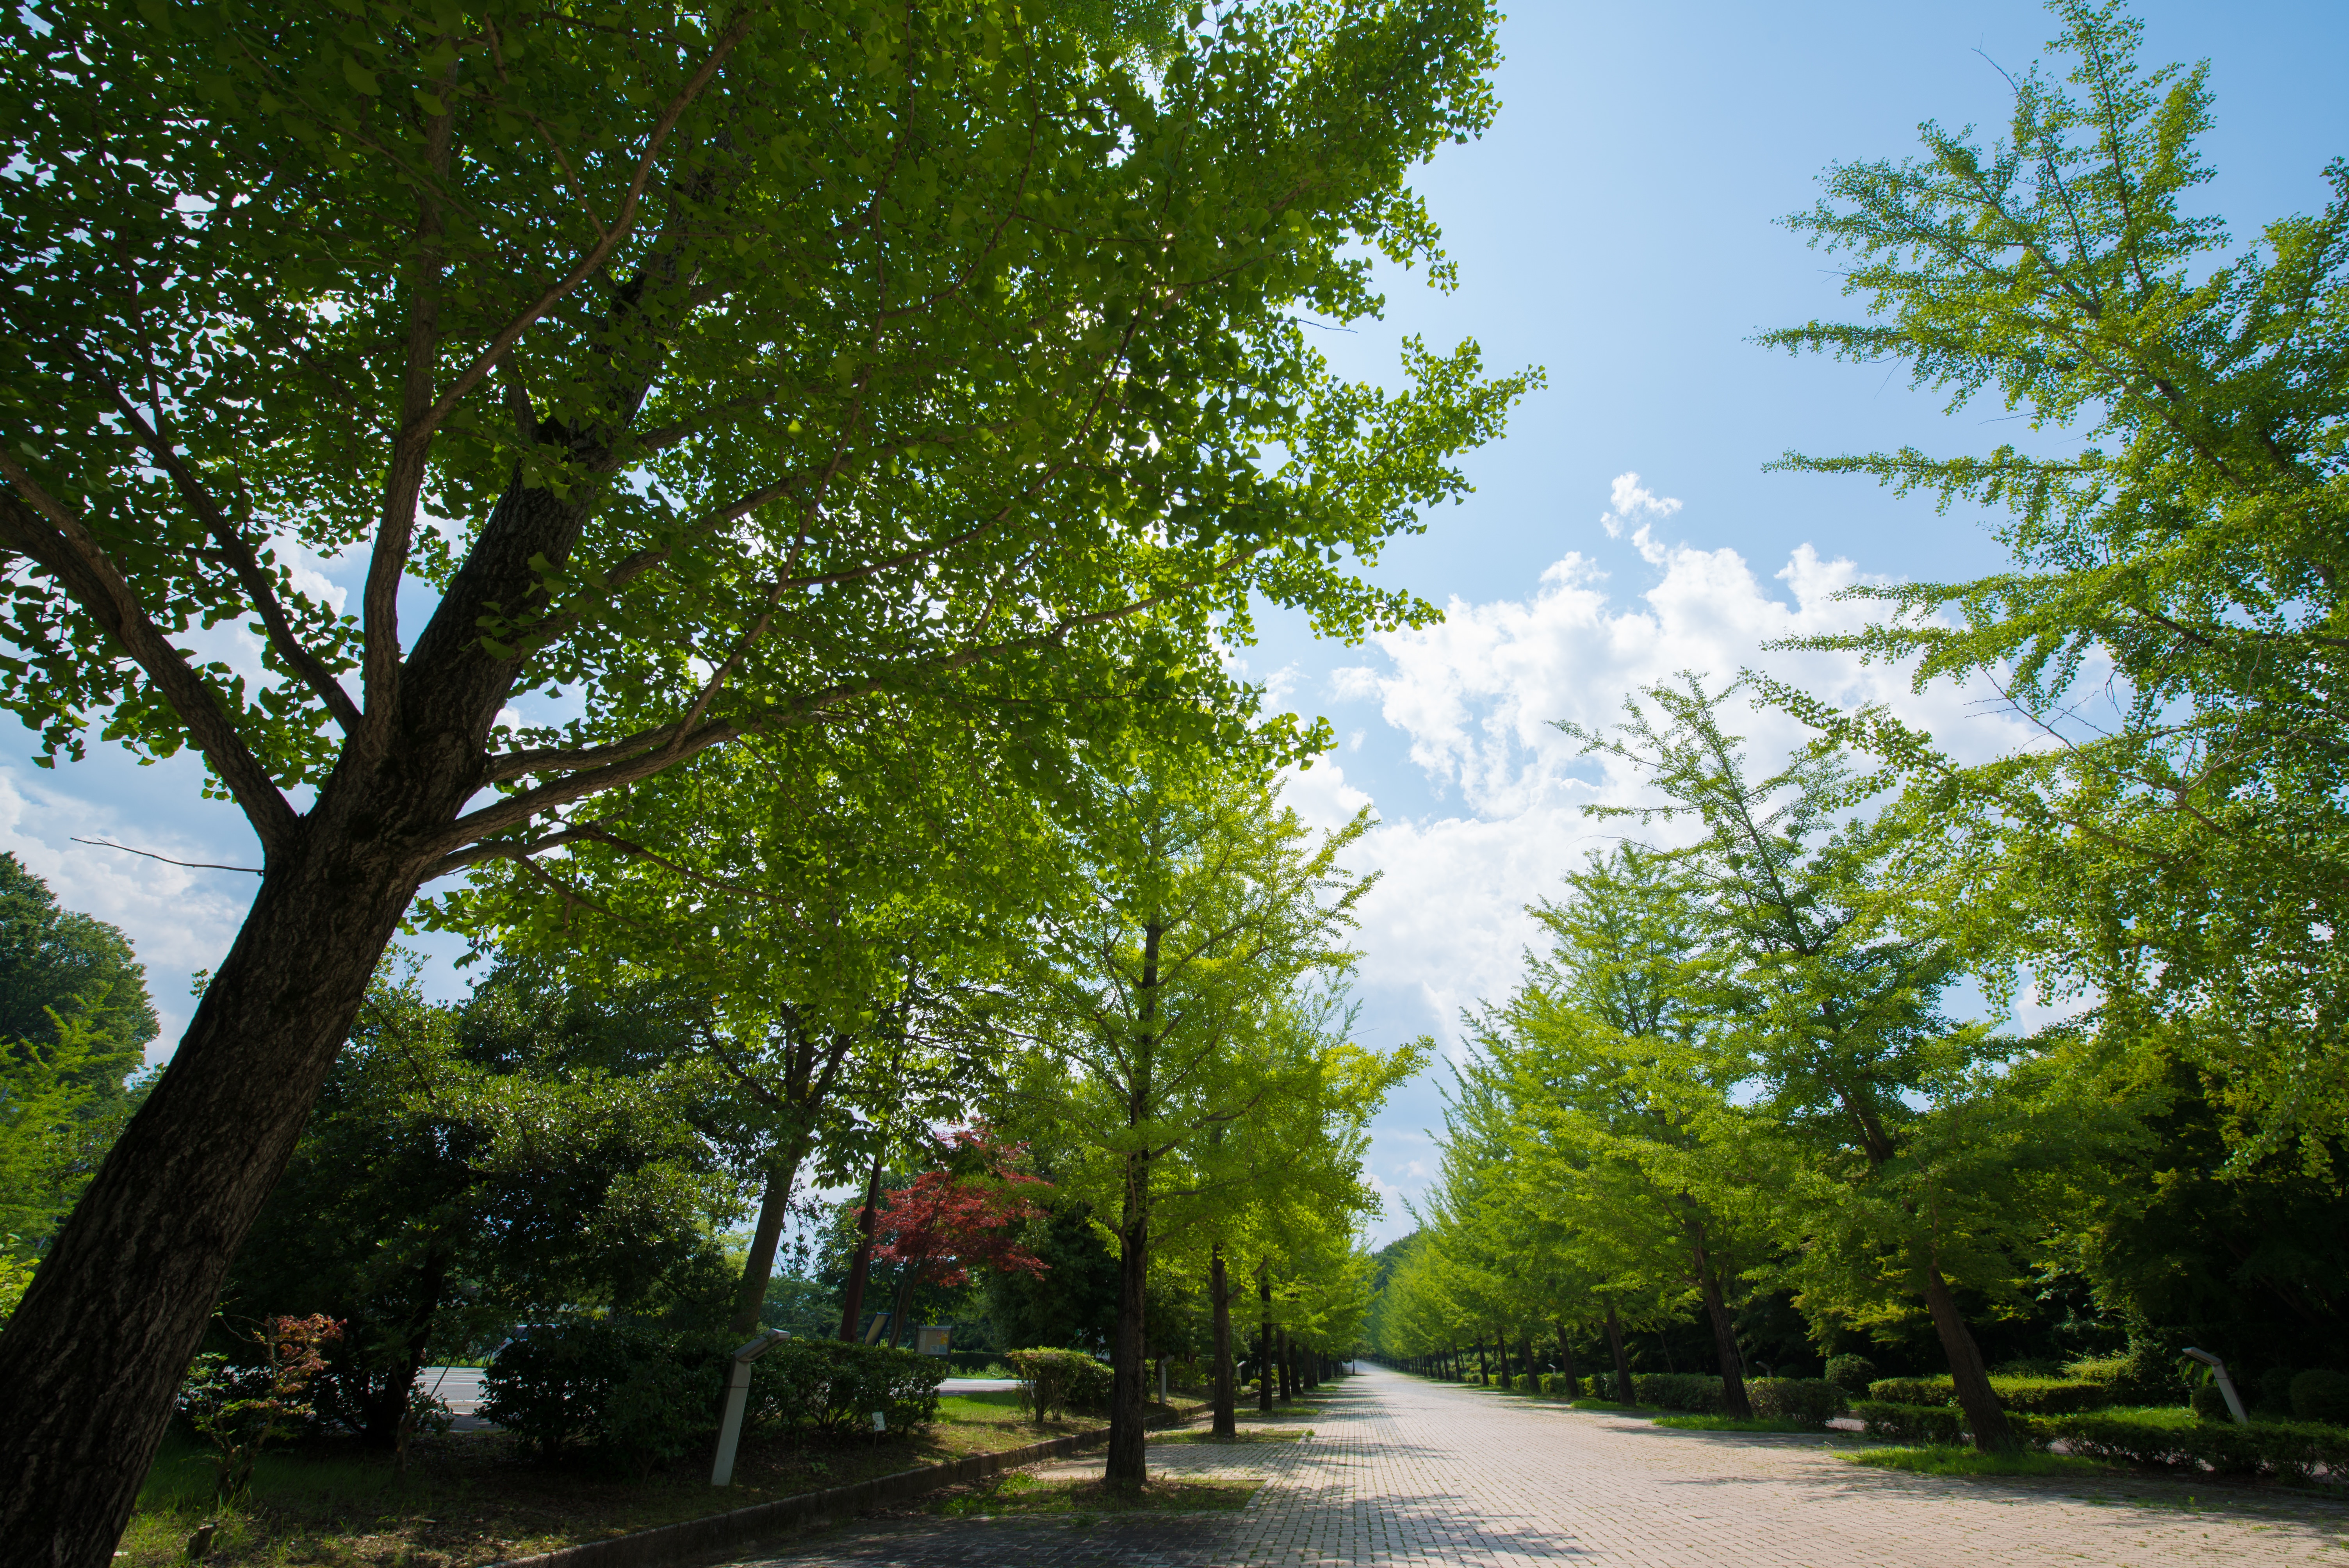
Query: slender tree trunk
x,y
759,1267
1226,1394
1483,1368
905,1294
1264,1358
1622,1361
1566,1362
1984,1415
1287,1359
1734,1401
1501,1352
852,1303
1127,1468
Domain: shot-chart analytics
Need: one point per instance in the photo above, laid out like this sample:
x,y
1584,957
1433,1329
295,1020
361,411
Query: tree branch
x,y
42,529
242,560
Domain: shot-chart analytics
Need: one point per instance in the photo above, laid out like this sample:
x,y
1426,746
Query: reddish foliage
x,y
946,1225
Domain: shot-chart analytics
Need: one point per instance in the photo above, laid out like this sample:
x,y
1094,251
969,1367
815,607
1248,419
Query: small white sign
x,y
880,1420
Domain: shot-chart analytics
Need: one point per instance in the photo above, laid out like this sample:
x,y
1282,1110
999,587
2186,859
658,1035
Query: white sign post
x,y
738,1395
2226,1385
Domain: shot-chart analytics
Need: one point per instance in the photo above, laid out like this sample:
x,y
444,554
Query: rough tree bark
x,y
1127,1468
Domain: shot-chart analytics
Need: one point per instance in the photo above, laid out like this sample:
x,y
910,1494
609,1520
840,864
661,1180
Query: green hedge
x,y
635,1393
2027,1395
1061,1380
1937,1425
1560,1383
1678,1391
1813,1401
2286,1450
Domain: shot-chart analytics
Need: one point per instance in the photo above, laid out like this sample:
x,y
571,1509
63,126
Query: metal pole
x,y
737,1396
2226,1385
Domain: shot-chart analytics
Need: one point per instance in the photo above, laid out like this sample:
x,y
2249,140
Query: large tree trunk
x,y
853,1303
1984,1415
1622,1361
94,1355
1228,1424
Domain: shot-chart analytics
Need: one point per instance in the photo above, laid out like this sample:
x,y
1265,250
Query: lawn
x,y
1931,1461
1260,1435
470,1498
1733,1424
1020,1495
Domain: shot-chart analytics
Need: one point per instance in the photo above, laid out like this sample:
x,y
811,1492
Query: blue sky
x,y
1618,228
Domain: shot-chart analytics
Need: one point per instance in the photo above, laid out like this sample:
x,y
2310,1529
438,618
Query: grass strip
x,y
1938,1460
1733,1424
1021,1495
1260,1435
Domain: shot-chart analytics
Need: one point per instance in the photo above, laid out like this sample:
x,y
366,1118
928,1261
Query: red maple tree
x,y
948,1222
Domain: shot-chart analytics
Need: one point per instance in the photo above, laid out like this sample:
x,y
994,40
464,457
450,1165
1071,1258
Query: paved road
x,y
1401,1471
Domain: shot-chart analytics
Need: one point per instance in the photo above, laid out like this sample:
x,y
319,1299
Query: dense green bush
x,y
2210,1403
1061,1380
620,1389
1852,1374
2025,1396
1939,1424
1813,1401
2146,1374
1678,1391
2286,1450
633,1394
1560,1383
833,1386
1526,1382
2320,1396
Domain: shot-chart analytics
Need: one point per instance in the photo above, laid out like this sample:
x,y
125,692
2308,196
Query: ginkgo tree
x,y
1165,1050
663,376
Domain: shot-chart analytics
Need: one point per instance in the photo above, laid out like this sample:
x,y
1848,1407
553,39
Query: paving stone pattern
x,y
1405,1471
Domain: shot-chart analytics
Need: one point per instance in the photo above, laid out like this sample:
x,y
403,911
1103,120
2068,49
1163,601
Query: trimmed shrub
x,y
1678,1391
1061,1380
1813,1401
1939,1425
2026,1396
633,1394
2147,1374
2285,1450
833,1387
1560,1383
618,1388
2320,1396
1526,1382
1910,1390
2208,1403
1852,1374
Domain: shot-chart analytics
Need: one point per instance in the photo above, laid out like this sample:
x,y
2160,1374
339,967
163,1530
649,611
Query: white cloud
x,y
1478,696
178,920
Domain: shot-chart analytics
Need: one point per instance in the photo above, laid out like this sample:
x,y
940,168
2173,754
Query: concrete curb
x,y
666,1542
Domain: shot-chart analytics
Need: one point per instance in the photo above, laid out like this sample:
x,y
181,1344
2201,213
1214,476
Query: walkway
x,y
1405,1471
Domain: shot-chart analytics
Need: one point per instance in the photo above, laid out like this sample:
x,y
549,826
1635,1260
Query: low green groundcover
x,y
2169,1439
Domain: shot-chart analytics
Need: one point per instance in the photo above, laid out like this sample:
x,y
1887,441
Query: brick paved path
x,y
1402,1471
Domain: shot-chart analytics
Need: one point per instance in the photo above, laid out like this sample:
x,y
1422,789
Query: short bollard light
x,y
738,1395
2226,1385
